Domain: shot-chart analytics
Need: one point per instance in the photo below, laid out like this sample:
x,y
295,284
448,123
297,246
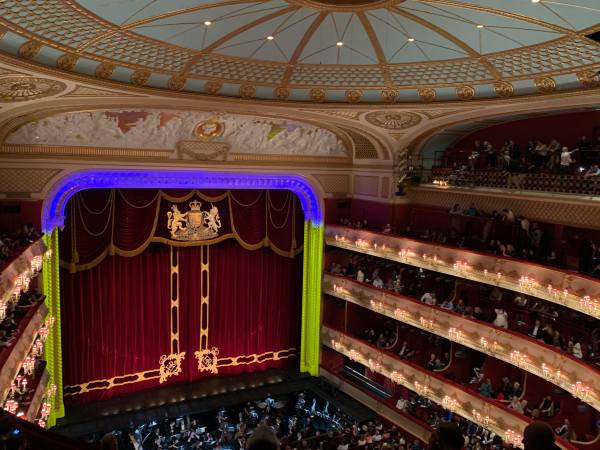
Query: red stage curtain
x,y
115,319
107,222
116,315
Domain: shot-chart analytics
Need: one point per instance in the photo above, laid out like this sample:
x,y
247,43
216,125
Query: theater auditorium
x,y
299,224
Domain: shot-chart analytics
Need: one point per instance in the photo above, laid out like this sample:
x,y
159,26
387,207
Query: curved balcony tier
x,y
565,288
481,410
531,355
28,261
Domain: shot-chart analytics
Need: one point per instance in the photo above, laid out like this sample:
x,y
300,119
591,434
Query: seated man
x,y
593,171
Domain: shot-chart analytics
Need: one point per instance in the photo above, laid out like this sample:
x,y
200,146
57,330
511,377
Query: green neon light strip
x,y
53,347
311,298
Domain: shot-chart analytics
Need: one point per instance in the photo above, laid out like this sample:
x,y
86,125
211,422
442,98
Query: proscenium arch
x,y
312,204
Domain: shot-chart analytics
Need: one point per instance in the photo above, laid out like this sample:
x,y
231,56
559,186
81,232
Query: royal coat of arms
x,y
195,224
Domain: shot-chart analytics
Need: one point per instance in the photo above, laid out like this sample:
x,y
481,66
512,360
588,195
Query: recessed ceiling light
x,y
411,39
480,26
208,23
535,1
270,38
339,43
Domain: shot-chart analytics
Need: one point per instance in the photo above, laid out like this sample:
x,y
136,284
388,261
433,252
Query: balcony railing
x,y
15,277
541,182
483,411
542,360
571,290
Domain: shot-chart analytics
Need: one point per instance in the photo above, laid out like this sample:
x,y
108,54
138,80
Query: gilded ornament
x,y
3,31
20,88
195,224
68,61
170,366
29,49
282,93
177,82
317,94
427,94
212,87
504,89
247,91
353,95
465,92
105,70
390,95
545,84
588,78
208,360
393,120
209,129
140,77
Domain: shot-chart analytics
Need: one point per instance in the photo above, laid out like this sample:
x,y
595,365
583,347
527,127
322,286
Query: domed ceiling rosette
x,y
448,49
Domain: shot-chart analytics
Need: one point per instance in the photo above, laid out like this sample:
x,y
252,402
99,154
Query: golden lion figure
x,y
177,220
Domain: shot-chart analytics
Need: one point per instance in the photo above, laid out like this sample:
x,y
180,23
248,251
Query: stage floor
x,y
203,396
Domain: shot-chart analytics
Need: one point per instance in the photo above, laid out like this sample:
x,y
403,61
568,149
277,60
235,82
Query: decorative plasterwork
x,y
23,88
53,213
86,91
298,49
164,129
25,180
393,120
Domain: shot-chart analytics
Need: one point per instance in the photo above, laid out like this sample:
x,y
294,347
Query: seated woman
x,y
565,430
486,388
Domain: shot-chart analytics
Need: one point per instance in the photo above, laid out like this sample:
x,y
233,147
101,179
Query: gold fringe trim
x,y
113,250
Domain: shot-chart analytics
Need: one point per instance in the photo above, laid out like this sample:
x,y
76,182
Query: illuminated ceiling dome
x,y
319,50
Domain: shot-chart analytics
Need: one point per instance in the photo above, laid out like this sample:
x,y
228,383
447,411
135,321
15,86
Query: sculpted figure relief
x,y
161,129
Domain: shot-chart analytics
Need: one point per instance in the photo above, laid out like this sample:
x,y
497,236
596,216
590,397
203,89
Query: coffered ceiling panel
x,y
319,50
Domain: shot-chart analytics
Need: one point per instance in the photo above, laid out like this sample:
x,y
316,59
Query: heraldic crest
x,y
195,224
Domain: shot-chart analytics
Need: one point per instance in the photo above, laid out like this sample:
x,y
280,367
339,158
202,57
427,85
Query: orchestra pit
x,y
300,225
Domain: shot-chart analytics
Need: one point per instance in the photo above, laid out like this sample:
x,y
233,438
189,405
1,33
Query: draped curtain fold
x,y
116,321
107,222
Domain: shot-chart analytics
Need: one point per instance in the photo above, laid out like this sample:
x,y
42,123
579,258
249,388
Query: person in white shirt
x,y
501,319
360,276
378,283
428,298
566,160
577,353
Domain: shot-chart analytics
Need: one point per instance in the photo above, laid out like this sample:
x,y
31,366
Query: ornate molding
x,y
427,94
353,95
465,92
393,120
318,94
29,49
67,62
105,70
545,84
177,82
213,87
53,210
140,77
23,88
504,89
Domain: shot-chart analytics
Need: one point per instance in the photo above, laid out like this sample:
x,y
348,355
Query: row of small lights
x,y
22,281
526,283
518,358
448,402
19,384
270,37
